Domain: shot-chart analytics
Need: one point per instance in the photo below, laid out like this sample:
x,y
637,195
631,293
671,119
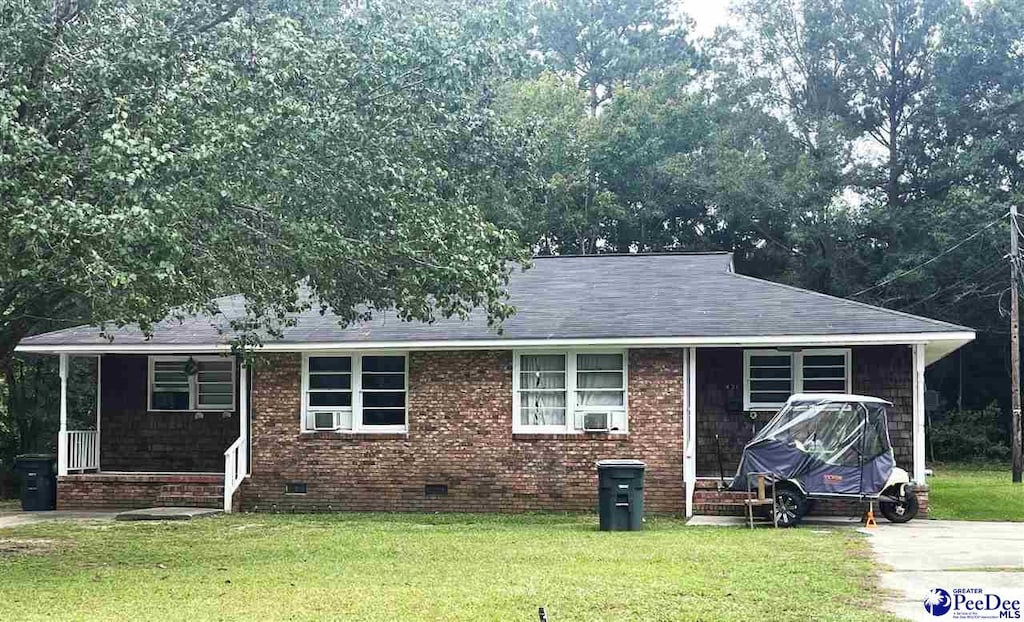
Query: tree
x,y
155,154
568,203
605,43
892,50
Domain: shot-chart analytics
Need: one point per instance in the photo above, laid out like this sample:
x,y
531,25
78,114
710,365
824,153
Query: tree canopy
x,y
155,154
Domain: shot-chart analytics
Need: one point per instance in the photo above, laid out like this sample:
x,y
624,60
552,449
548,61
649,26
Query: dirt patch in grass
x,y
10,547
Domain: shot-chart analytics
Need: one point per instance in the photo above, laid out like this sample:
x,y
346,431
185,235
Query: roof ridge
x,y
854,302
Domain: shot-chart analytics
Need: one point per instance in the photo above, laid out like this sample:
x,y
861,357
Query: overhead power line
x,y
936,257
976,282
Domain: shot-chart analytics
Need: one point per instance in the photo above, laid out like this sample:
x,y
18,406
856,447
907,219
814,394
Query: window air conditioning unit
x,y
596,422
323,421
329,421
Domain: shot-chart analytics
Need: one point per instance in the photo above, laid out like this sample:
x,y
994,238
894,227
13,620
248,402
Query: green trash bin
x,y
620,501
38,481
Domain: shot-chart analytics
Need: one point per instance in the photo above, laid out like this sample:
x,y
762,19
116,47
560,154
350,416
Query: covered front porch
x,y
168,430
731,392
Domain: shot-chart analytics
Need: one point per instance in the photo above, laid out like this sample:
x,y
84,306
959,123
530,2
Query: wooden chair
x,y
761,499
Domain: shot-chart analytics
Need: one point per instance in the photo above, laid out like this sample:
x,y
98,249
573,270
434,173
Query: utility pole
x,y
1015,431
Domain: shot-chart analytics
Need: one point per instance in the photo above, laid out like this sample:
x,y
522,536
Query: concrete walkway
x,y
923,555
19,518
701,520
16,518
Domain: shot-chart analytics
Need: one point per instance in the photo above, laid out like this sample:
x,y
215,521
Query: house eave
x,y
938,344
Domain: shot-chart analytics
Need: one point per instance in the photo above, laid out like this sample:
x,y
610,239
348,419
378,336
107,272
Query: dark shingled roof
x,y
602,296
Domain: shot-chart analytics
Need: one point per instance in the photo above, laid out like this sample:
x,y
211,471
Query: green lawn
x,y
972,492
429,567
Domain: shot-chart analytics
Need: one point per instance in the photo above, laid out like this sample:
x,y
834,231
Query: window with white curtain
x,y
553,391
770,377
542,390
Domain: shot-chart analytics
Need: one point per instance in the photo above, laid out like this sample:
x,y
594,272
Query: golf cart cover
x,y
829,445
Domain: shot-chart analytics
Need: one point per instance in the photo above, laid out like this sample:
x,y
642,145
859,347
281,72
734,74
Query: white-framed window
x,y
191,383
771,376
351,392
569,391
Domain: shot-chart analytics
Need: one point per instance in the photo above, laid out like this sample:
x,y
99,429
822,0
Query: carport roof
x,y
653,299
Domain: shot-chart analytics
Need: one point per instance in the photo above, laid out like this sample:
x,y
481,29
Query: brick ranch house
x,y
678,356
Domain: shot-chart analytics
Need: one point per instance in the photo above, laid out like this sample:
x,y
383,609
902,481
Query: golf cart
x,y
823,446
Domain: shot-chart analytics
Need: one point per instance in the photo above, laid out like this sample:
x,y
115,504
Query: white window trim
x,y
193,385
357,395
571,409
797,367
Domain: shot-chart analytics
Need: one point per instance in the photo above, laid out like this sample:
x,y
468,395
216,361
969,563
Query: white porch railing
x,y
83,450
234,471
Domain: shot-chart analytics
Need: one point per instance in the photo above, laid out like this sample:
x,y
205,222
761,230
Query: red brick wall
x,y
460,434
99,491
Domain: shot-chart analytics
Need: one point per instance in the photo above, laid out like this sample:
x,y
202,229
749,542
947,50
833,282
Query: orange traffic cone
x,y
869,520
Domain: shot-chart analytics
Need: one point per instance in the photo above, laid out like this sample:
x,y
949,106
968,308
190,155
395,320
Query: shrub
x,y
970,435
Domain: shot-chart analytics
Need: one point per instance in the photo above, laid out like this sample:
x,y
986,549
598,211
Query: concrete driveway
x,y
923,555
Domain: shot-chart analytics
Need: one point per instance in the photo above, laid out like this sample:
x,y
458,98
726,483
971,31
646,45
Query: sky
x,y
708,14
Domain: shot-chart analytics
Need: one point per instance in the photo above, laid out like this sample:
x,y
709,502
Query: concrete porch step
x,y
166,513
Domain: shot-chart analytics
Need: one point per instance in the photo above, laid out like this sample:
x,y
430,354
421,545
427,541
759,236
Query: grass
x,y
8,505
430,567
975,492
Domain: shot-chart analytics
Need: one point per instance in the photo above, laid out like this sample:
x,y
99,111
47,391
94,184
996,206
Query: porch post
x,y
243,416
62,436
689,425
917,350
99,409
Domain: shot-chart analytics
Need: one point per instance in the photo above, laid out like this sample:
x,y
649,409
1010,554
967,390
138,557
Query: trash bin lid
x,y
620,463
35,457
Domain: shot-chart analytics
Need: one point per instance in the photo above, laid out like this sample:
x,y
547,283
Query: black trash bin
x,y
38,481
620,502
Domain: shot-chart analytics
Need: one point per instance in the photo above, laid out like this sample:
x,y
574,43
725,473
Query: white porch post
x,y
917,351
689,425
62,436
243,416
99,409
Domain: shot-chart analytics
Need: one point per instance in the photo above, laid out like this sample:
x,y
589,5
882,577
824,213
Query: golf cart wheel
x,y
790,506
900,511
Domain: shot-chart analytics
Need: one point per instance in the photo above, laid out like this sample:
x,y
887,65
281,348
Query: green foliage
x,y
30,408
970,435
155,154
603,44
835,145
